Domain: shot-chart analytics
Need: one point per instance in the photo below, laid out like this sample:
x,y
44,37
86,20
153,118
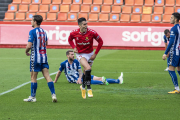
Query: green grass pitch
x,y
143,96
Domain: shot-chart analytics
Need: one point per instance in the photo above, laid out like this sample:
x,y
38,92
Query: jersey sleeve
x,y
78,65
99,40
46,39
173,33
70,40
61,68
165,40
31,37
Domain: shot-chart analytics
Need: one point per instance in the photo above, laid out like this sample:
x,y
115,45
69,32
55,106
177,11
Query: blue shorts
x,y
37,67
174,60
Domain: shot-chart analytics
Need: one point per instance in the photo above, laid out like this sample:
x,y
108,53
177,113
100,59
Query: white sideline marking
x,y
22,85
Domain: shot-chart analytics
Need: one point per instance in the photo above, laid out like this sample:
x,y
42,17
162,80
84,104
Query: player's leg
x,y
96,80
173,62
50,83
167,64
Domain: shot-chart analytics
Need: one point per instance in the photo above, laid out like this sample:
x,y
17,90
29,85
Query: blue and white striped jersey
x,y
165,39
174,42
70,70
38,50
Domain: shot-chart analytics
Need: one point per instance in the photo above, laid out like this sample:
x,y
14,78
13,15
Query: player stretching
x,y
166,38
84,51
38,61
73,72
173,49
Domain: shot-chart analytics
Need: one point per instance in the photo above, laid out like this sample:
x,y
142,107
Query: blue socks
x,y
96,82
33,89
174,77
51,87
109,80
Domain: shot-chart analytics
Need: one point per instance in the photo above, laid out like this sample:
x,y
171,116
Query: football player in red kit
x,y
83,48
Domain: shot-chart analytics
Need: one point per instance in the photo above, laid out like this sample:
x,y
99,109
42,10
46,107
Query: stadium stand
x,y
136,11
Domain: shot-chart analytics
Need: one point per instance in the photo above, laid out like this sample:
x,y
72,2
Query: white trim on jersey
x,y
42,48
178,41
67,72
37,47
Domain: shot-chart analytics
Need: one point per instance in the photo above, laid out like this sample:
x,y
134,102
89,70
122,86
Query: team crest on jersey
x,y
87,38
77,38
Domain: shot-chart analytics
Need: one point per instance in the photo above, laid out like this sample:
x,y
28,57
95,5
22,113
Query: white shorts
x,y
85,55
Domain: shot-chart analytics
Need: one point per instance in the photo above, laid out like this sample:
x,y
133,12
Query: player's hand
x,y
93,57
167,55
164,56
54,81
79,81
75,50
28,54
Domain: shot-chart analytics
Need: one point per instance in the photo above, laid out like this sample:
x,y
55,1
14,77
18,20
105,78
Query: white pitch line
x,y
22,85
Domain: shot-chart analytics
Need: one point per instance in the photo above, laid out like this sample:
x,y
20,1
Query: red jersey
x,y
84,41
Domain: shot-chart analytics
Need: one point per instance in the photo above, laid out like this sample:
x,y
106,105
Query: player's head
x,y
82,24
167,33
175,17
70,55
36,20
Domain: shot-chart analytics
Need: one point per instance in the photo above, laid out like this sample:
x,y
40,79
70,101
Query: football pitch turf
x,y
142,96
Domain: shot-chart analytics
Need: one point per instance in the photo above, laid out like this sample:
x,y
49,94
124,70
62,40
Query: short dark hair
x,y
67,52
166,31
38,19
177,16
81,19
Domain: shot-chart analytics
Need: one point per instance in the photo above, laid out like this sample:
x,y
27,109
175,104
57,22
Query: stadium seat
x,y
118,2
147,10
169,10
43,8
114,17
54,8
33,8
105,9
16,2
85,15
9,16
23,8
36,1
177,9
56,2
47,2
108,2
126,9
158,10
51,16
72,16
116,9
170,3
135,18
87,2
79,2
103,17
93,17
12,8
129,2
145,18
159,2
156,18
124,18
64,8
166,18
95,8
43,15
177,2
137,10
29,16
138,2
62,16
26,2
68,2
75,8
20,16
85,8
149,3
97,2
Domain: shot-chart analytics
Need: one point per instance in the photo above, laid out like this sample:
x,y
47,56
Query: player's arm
x,y
100,43
57,76
61,68
80,76
30,41
70,40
